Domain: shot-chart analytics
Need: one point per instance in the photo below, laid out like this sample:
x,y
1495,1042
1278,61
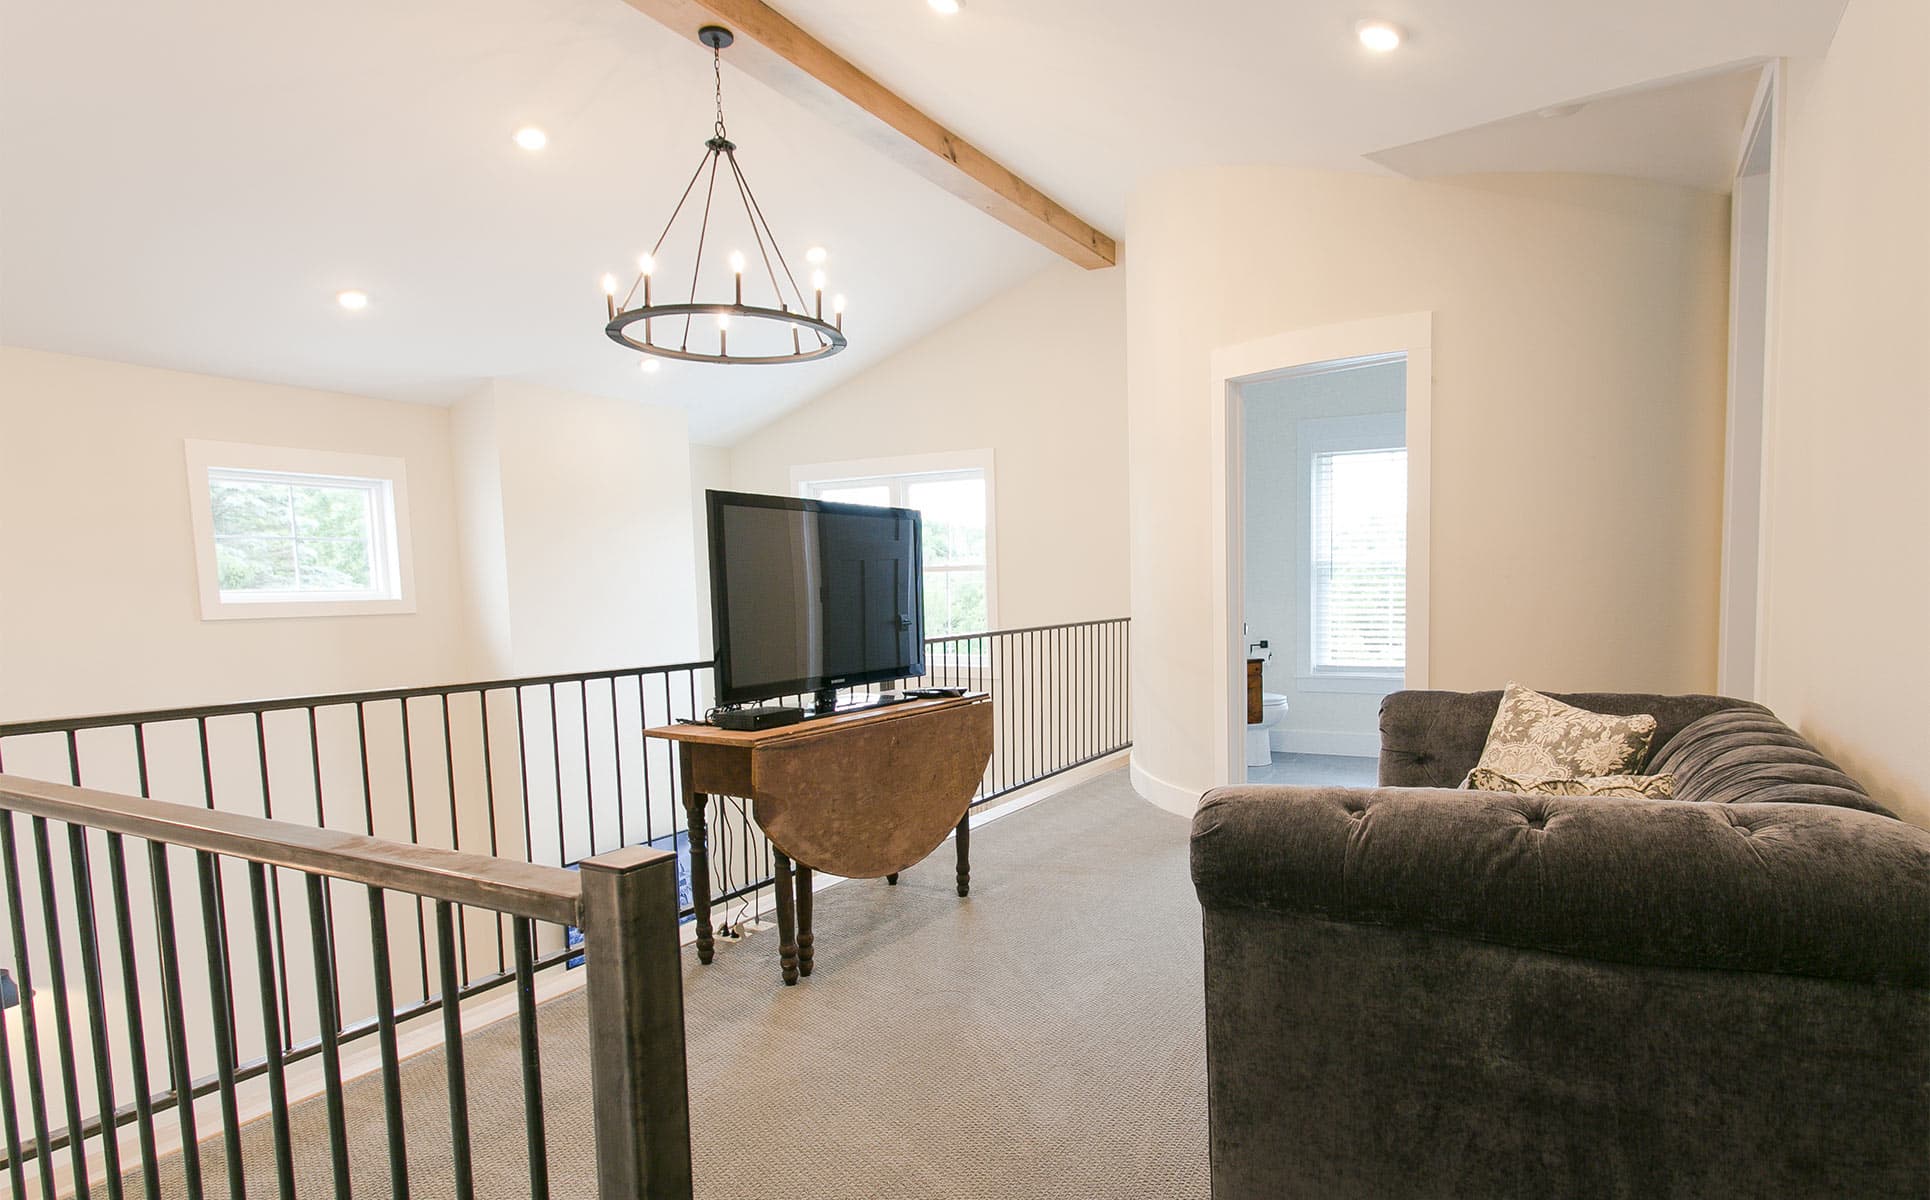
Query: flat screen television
x,y
809,596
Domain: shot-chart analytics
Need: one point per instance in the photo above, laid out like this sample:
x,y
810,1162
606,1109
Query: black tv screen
x,y
808,596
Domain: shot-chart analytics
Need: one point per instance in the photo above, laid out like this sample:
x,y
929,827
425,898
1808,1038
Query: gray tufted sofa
x,y
1417,992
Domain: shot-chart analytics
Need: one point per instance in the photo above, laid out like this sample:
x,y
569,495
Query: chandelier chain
x,y
717,74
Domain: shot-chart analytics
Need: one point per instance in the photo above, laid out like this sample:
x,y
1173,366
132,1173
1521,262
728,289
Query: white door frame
x,y
1742,605
1408,334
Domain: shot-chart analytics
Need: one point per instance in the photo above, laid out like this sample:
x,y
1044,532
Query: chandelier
x,y
781,327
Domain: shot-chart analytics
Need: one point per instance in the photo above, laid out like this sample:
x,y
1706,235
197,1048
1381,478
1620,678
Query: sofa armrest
x,y
1792,889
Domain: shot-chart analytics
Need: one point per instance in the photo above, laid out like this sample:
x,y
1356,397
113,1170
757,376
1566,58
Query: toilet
x,y
1259,751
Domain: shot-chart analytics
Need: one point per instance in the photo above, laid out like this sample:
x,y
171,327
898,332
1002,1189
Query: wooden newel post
x,y
640,1090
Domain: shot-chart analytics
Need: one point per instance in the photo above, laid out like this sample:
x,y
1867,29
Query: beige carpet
x,y
1042,1038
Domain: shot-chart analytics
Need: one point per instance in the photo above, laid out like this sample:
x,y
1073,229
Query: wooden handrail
x,y
501,885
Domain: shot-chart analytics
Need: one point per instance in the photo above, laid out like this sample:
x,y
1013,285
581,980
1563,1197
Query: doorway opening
x,y
1324,453
1325,553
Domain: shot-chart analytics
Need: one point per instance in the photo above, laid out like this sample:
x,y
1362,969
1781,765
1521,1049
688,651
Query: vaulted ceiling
x,y
189,184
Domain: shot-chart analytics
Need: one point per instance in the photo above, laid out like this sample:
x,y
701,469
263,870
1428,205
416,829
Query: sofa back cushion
x,y
1747,756
1433,739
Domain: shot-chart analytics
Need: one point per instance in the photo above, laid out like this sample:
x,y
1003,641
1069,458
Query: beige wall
x,y
1578,349
577,530
1038,378
100,608
1846,646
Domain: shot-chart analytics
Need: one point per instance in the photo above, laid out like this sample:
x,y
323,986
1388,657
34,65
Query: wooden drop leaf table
x,y
863,794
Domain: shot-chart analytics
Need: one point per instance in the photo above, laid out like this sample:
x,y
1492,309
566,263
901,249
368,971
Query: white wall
x,y
1579,353
709,468
1846,645
585,503
1321,719
1038,378
100,606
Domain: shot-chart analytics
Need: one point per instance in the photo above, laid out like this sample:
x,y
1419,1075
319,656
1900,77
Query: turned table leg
x,y
964,839
805,938
699,865
786,918
892,879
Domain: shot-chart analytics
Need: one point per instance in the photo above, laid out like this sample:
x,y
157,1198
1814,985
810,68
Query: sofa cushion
x,y
1537,737
1432,739
1638,787
1747,756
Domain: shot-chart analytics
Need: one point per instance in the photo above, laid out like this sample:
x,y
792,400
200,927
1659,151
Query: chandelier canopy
x,y
782,327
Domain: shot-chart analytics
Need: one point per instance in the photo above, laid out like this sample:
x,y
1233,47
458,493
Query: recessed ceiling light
x,y
650,366
816,256
1380,36
944,7
352,299
531,138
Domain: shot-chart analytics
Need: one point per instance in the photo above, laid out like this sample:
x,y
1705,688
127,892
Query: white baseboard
x,y
1164,794
1324,741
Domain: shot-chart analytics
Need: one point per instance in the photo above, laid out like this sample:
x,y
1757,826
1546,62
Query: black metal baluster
x,y
214,935
460,1171
63,1005
272,1017
29,1018
489,799
16,1170
385,1034
330,1036
522,767
415,839
455,819
616,763
321,822
589,768
220,891
534,1136
649,816
131,993
280,964
175,1014
82,866
556,761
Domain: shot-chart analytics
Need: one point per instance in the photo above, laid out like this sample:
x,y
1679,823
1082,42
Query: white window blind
x,y
1360,561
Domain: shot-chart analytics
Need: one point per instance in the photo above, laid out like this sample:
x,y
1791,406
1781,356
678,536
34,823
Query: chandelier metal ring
x,y
829,337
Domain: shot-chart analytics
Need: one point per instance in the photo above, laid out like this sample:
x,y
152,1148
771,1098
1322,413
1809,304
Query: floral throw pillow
x,y
1641,787
1536,737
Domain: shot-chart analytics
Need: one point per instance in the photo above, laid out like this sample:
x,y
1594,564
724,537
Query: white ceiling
x,y
1687,133
188,184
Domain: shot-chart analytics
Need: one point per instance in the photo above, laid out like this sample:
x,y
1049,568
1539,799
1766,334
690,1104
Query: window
x,y
273,540
955,505
1357,548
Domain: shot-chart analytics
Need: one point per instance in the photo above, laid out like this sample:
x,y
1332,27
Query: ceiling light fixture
x,y
945,8
531,138
650,366
773,331
352,299
1379,36
816,256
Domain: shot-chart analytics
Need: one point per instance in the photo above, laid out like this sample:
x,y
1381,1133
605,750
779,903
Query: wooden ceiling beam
x,y
775,50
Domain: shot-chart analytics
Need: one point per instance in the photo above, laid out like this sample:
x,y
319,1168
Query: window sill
x,y
1378,685
231,610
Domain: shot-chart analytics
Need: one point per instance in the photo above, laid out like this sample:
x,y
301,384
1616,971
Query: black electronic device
x,y
767,716
935,693
810,596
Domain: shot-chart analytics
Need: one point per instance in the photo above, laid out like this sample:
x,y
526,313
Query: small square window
x,y
325,541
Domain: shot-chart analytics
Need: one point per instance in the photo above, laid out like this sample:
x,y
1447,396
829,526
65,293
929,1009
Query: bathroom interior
x,y
1325,559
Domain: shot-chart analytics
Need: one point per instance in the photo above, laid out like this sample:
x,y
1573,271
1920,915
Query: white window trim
x,y
1326,435
805,475
204,456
